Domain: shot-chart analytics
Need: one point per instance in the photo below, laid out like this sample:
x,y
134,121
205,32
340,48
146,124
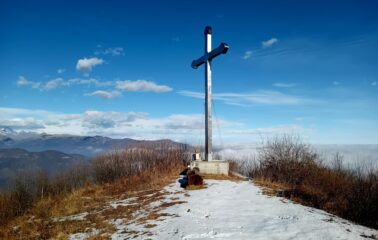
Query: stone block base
x,y
217,167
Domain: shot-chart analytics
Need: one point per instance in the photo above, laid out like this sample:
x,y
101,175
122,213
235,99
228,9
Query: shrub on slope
x,y
351,194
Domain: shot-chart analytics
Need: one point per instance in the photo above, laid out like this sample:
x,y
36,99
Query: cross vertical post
x,y
206,59
208,115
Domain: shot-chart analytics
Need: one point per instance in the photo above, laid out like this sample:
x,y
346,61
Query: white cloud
x,y
115,51
104,94
251,99
247,55
374,84
284,85
269,43
86,64
141,86
60,70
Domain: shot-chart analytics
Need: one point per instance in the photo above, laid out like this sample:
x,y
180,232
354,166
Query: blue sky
x,y
122,69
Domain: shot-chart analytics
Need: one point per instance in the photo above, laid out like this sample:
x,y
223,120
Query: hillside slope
x,y
224,210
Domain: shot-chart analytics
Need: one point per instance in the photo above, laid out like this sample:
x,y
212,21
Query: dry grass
x,y
46,218
272,189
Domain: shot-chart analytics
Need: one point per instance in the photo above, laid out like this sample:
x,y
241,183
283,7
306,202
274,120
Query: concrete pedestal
x,y
217,167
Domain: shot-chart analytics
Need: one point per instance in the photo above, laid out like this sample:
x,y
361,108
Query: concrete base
x,y
212,167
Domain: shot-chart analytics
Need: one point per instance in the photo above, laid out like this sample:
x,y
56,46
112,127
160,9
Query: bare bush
x,y
352,194
131,162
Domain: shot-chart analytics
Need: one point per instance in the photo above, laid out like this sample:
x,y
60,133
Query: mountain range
x,y
22,152
85,145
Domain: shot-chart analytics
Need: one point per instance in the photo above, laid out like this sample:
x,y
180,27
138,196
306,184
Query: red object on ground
x,y
195,179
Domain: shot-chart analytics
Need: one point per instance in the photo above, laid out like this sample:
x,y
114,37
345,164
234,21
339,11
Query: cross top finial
x,y
208,30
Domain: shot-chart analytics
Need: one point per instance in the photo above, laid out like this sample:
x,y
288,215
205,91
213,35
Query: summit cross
x,y
206,59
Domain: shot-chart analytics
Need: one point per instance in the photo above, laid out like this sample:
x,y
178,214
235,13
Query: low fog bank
x,y
353,155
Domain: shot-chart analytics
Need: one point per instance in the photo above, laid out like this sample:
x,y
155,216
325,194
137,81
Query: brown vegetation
x,y
299,174
34,203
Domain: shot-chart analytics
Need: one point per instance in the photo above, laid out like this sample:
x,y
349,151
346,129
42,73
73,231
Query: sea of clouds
x,y
353,155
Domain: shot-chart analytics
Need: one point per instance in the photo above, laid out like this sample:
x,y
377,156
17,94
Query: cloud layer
x,y
182,127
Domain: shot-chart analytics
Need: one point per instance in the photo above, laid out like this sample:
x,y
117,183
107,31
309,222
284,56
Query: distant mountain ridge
x,y
14,161
84,145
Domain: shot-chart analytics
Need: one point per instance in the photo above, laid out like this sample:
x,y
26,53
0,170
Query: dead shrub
x,y
351,194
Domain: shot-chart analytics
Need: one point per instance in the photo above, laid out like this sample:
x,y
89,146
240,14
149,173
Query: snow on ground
x,y
237,210
224,210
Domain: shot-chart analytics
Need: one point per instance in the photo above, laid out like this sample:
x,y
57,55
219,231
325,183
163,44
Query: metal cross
x,y
206,59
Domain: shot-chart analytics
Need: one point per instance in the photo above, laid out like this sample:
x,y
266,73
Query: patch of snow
x,y
124,202
76,217
83,236
237,210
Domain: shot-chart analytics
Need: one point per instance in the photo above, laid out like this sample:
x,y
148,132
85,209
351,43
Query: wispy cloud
x,y
60,70
374,84
104,94
90,81
86,65
284,85
60,82
22,82
280,129
141,86
251,99
260,50
126,85
55,83
113,51
247,55
269,43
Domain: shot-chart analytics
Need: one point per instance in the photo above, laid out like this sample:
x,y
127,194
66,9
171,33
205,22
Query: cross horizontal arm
x,y
198,62
221,49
